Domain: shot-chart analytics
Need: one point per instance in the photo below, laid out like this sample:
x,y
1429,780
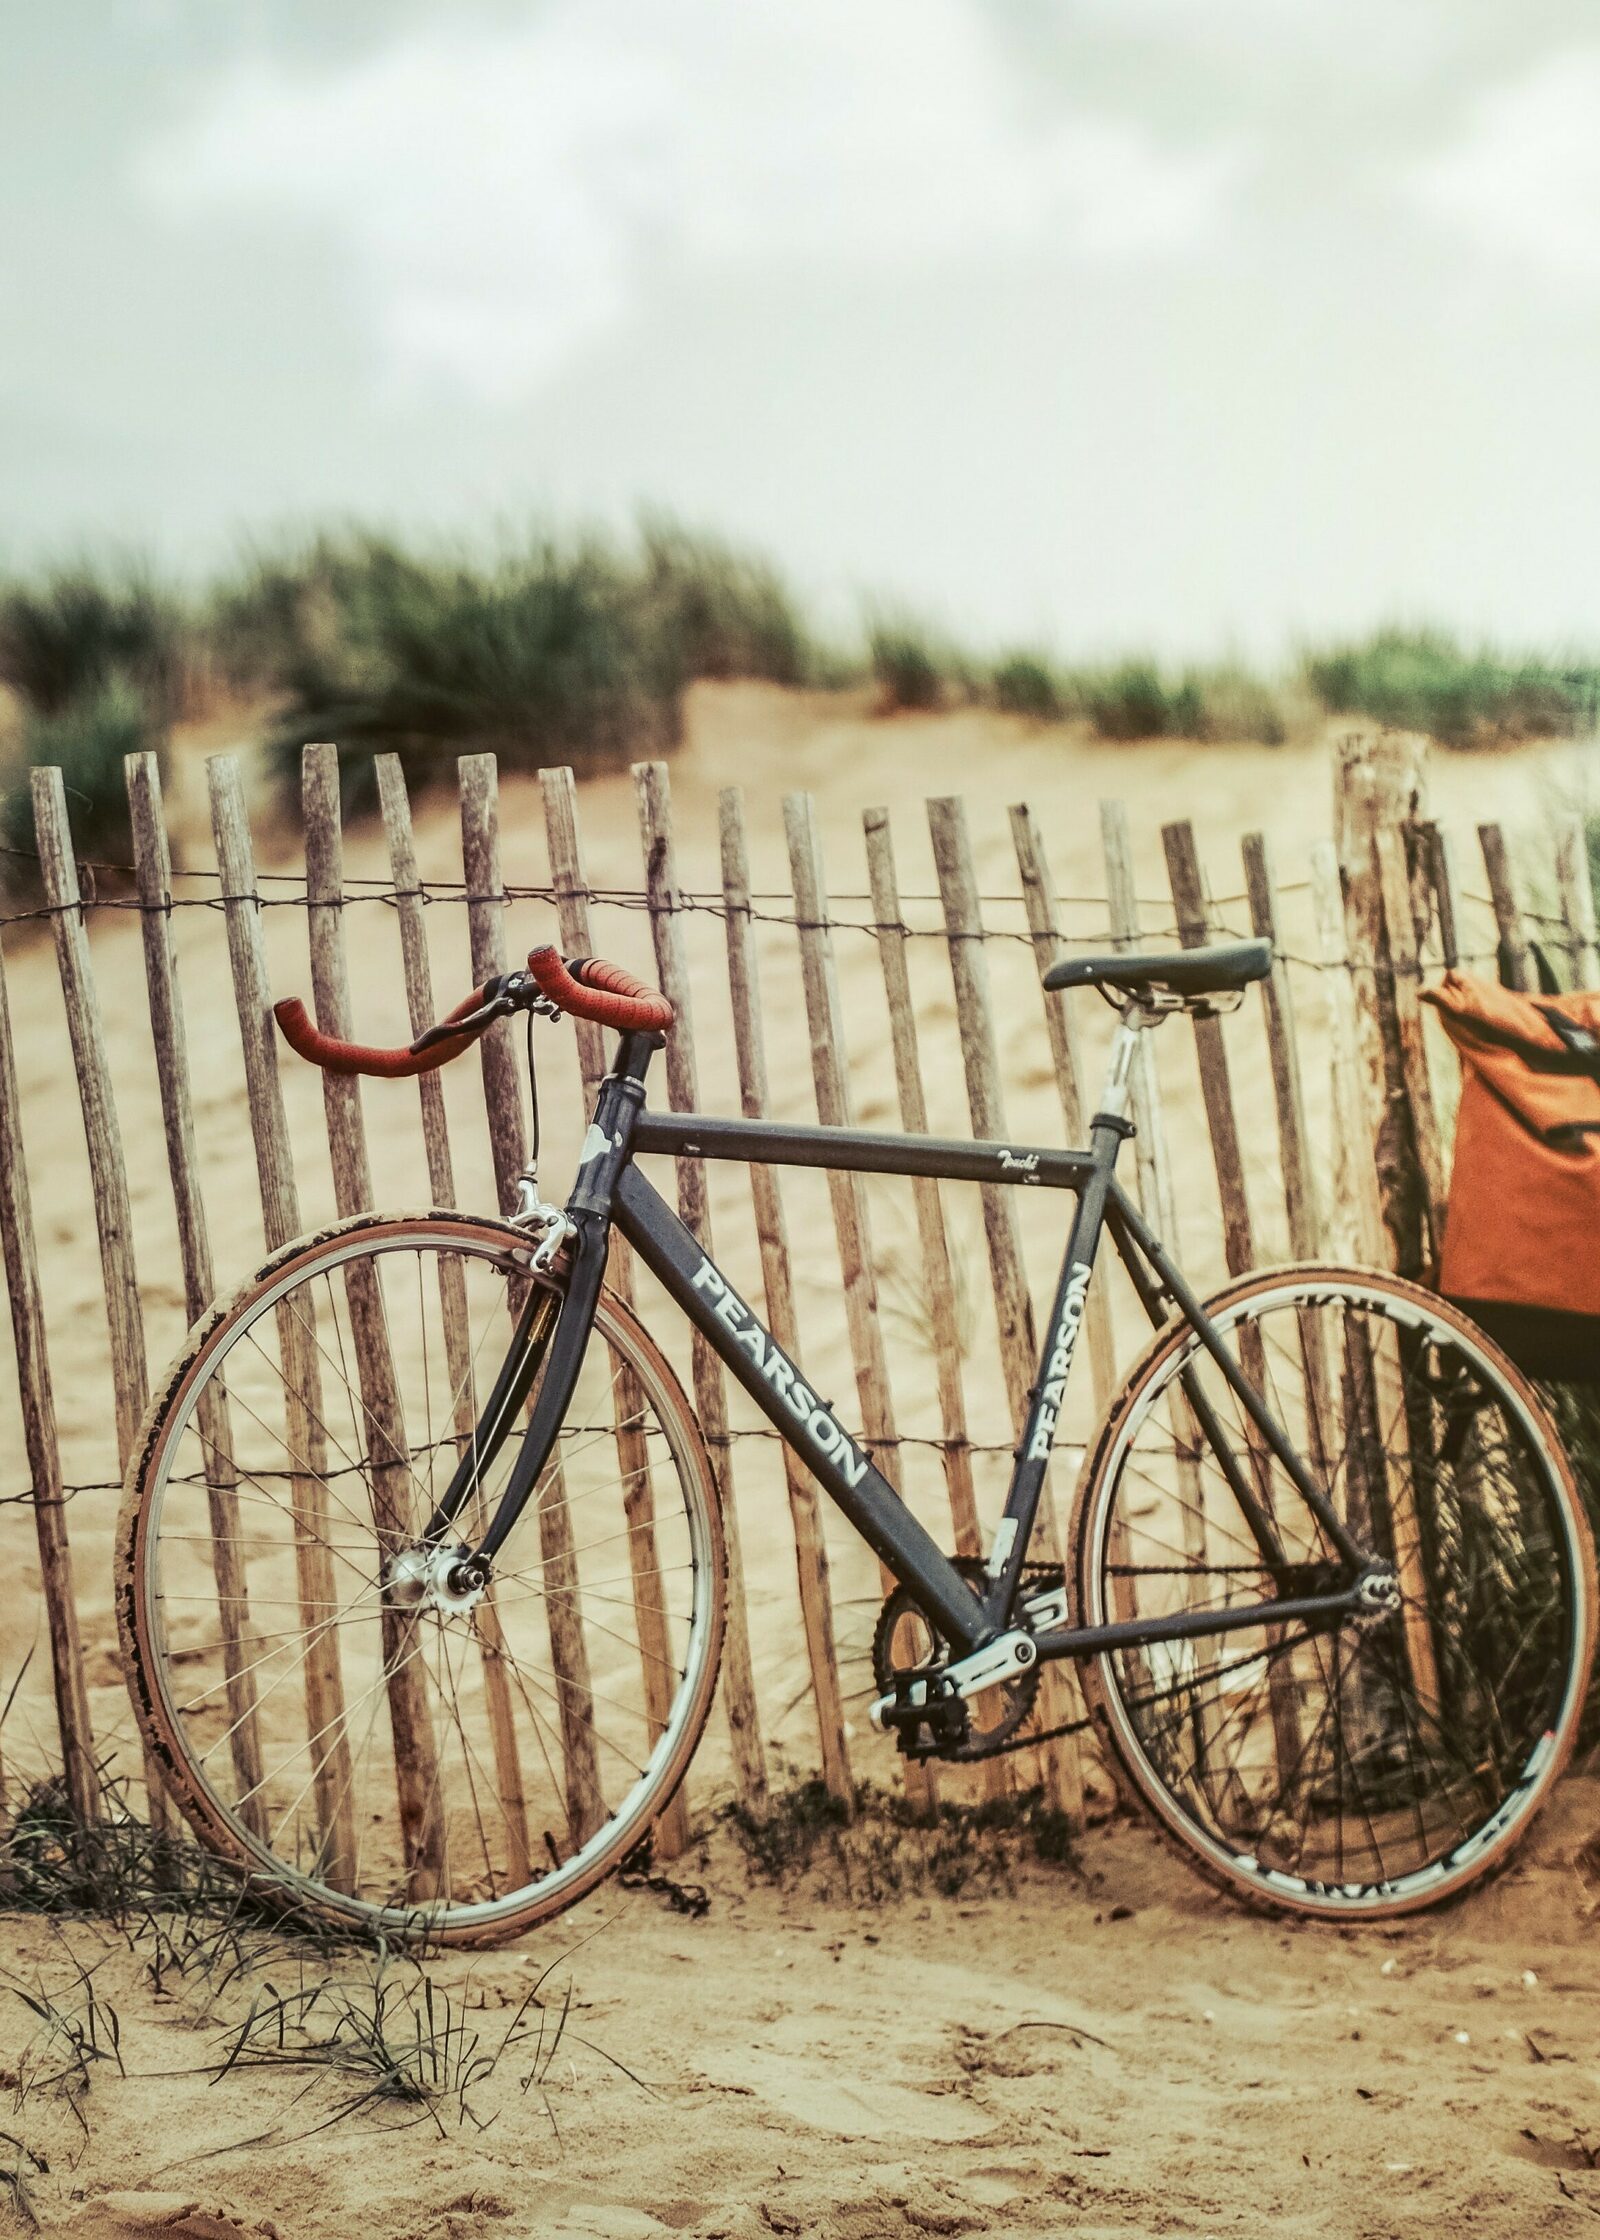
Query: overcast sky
x,y
1111,322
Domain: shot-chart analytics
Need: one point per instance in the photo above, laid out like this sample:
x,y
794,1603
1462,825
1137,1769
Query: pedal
x,y
925,1715
927,1711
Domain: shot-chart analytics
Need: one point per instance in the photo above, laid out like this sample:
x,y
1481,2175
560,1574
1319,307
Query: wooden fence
x,y
890,979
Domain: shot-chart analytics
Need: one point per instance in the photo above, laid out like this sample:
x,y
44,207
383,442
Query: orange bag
x,y
1522,1233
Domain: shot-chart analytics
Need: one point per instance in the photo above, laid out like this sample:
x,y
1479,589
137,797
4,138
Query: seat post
x,y
1134,1021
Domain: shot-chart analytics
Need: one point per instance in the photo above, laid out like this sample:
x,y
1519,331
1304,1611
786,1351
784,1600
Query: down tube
x,y
796,1411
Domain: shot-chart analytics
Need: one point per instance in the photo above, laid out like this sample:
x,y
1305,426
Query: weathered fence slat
x,y
1516,964
933,1241
153,868
508,1147
1144,1091
107,1168
332,1784
932,1236
964,935
1190,906
1283,1050
805,1508
1576,888
486,901
1301,1196
664,898
1156,1195
1038,896
40,1444
1211,1052
396,808
1354,1218
108,1173
1416,1080
1378,781
1440,860
1359,1233
565,848
850,1217
390,1479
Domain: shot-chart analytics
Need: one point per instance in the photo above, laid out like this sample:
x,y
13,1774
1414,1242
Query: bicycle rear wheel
x,y
415,1760
1360,1768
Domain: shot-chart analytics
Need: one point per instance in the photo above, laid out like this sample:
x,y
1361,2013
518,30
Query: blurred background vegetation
x,y
579,650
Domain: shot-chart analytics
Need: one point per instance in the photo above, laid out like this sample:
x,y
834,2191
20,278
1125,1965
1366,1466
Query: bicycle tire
x,y
1378,1690
555,1790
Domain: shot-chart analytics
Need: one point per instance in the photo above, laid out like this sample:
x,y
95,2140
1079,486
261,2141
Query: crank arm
x,y
997,1661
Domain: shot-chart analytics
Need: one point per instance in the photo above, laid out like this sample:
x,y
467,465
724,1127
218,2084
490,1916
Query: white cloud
x,y
507,194
1524,174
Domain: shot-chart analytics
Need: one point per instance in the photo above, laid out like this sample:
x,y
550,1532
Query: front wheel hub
x,y
450,1579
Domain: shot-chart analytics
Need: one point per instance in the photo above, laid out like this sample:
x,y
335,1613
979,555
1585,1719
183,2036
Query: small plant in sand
x,y
883,1847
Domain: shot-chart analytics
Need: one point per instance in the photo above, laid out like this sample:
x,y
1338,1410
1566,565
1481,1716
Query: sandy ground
x,y
809,2066
1099,2053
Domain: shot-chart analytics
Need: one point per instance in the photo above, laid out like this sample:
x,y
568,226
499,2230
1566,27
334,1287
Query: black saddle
x,y
1174,972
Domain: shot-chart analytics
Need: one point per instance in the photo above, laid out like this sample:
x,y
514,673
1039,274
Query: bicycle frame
x,y
611,1190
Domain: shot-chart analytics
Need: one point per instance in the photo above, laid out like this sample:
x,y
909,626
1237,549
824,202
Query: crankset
x,y
927,1714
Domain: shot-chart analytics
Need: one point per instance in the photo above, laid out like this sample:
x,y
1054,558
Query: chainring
x,y
907,1645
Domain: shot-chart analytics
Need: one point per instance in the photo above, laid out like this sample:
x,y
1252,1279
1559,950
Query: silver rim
x,y
1524,1788
608,1607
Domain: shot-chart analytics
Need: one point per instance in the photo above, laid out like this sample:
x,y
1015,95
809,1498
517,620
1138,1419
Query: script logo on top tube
x,y
1055,1376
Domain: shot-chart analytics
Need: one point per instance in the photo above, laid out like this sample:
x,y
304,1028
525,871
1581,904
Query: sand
x,y
808,2065
1110,2053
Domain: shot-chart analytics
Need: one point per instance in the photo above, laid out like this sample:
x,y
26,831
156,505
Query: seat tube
x,y
1108,1131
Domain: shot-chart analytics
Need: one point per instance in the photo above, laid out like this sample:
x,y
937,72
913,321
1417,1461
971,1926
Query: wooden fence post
x,y
1378,788
107,1169
1516,963
1211,1052
964,935
396,807
390,1478
40,1443
847,1195
1144,1092
153,866
1238,1237
304,1434
932,1238
480,864
1577,902
508,1146
811,1550
1355,1229
1294,1146
850,1217
108,1174
1441,872
564,843
710,1388
1038,895
1359,1232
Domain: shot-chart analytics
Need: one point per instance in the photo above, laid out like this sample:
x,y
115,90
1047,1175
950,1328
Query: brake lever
x,y
514,991
451,1030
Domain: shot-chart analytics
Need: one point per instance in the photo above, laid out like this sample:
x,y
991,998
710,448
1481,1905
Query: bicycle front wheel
x,y
337,1718
1356,1767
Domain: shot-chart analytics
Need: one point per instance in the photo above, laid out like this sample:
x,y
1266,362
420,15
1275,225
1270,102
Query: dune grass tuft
x,y
1425,680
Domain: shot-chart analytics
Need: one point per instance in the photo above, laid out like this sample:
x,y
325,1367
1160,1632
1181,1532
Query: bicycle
x,y
1329,1590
